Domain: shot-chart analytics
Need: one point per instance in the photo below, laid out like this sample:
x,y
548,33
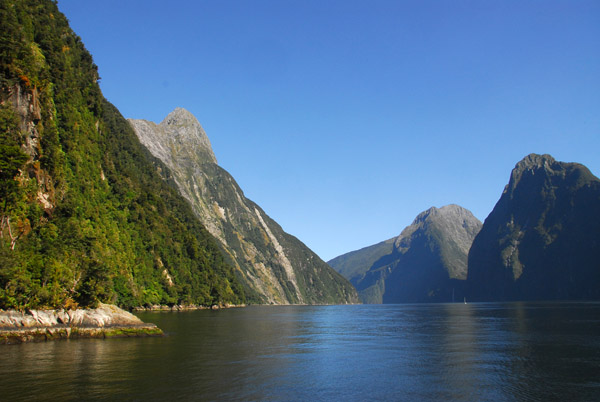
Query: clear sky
x,y
345,119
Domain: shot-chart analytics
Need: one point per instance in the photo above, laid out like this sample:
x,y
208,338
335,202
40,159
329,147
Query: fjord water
x,y
474,352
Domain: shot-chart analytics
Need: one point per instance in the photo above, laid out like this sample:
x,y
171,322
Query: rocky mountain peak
x,y
179,140
539,241
445,212
531,164
543,171
275,267
427,263
452,220
180,116
185,130
535,161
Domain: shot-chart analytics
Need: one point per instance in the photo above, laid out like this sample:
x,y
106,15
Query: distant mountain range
x,y
427,262
540,242
89,215
275,266
355,264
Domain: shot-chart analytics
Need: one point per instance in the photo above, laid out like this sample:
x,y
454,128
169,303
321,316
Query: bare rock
x,y
105,315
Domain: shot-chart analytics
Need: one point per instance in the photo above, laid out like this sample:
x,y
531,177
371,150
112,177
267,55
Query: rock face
x,y
428,262
103,316
542,239
275,266
187,142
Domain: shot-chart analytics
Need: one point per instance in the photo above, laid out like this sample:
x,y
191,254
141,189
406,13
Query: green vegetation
x,y
86,218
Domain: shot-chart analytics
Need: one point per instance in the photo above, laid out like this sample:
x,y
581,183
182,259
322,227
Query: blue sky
x,y
345,119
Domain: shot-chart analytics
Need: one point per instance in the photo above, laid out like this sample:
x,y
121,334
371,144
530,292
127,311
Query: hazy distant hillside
x,y
354,264
276,267
428,262
542,239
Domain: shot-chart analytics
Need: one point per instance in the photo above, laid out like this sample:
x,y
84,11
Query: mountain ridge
x,y
427,263
354,264
276,267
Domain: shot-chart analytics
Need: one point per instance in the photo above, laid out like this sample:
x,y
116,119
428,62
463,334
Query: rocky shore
x,y
186,307
106,321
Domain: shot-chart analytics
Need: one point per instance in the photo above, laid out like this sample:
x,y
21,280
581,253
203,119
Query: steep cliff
x,y
276,267
428,262
541,240
85,217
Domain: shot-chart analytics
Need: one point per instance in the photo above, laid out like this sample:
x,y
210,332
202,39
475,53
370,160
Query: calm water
x,y
473,352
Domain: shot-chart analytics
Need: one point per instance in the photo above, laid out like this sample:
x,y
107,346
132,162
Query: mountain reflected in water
x,y
488,351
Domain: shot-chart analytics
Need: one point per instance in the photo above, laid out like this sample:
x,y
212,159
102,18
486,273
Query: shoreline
x,y
105,321
43,334
186,307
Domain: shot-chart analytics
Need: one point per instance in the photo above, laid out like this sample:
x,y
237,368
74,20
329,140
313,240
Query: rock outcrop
x,y
276,267
103,322
541,240
428,262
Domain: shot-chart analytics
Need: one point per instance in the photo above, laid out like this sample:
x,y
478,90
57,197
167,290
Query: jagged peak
x,y
184,129
535,161
530,163
178,115
446,210
545,166
447,216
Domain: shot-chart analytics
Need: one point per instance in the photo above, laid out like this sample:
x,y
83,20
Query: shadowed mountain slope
x,y
355,264
542,239
428,262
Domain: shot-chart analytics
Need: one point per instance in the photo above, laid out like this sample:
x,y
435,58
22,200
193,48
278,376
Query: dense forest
x,y
85,215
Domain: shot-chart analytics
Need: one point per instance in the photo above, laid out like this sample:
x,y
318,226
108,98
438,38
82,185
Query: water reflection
x,y
459,351
519,351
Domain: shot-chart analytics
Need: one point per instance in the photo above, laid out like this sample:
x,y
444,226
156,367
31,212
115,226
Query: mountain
x,y
428,261
355,264
276,267
85,216
542,239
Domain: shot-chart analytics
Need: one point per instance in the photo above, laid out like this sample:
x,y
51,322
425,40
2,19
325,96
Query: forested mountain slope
x,y
85,216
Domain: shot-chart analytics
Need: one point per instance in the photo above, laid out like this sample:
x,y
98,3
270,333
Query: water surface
x,y
472,352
